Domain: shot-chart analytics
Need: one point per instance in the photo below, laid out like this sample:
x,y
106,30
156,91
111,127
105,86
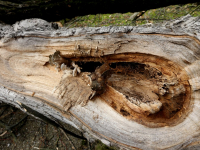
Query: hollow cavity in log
x,y
147,82
148,89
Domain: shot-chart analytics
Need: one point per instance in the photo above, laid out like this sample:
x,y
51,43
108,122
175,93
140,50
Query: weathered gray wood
x,y
166,75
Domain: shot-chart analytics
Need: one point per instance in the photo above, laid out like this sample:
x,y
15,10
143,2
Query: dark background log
x,y
54,10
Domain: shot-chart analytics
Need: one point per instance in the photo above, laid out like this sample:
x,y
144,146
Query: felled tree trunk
x,y
55,10
138,86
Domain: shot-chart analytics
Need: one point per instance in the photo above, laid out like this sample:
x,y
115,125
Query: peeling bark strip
x,y
135,87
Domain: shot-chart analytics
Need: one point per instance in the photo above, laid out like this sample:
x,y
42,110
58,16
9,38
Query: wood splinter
x,y
61,63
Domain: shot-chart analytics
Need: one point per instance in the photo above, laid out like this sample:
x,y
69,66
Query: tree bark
x,y
139,86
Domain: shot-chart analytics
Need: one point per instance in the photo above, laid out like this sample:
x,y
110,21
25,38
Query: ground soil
x,y
35,134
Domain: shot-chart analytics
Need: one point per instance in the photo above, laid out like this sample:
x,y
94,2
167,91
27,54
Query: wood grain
x,y
151,98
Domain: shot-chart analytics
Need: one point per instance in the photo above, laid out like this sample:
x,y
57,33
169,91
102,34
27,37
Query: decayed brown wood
x,y
138,86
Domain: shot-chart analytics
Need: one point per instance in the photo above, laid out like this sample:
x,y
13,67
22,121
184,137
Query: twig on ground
x,y
70,141
3,133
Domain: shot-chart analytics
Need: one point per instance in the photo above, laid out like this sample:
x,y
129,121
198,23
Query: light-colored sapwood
x,y
151,98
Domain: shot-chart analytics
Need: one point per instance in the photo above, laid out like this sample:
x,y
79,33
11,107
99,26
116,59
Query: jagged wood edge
x,y
186,25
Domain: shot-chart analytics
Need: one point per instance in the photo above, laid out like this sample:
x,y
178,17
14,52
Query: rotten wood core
x,y
148,89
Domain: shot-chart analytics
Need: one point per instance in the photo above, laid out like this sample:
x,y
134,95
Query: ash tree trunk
x,y
134,87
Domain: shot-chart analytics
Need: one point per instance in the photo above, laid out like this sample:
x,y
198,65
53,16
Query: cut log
x,y
134,87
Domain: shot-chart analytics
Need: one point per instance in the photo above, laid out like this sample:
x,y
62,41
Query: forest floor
x,y
18,131
21,132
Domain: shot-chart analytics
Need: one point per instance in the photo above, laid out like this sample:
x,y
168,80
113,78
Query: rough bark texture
x,y
146,79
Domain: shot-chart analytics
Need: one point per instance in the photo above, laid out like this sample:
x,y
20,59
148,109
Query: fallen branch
x,y
127,86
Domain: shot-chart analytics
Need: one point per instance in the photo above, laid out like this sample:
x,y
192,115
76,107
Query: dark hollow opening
x,y
88,66
92,66
131,65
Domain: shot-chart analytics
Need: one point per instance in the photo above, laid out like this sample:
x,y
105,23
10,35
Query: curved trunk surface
x,y
135,87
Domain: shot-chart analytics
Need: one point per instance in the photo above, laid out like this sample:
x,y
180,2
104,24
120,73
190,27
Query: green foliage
x,y
123,19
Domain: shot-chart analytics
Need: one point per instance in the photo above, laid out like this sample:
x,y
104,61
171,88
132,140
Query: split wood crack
x,y
95,80
111,75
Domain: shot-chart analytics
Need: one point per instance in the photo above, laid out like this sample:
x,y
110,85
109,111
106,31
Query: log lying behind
x,y
149,98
